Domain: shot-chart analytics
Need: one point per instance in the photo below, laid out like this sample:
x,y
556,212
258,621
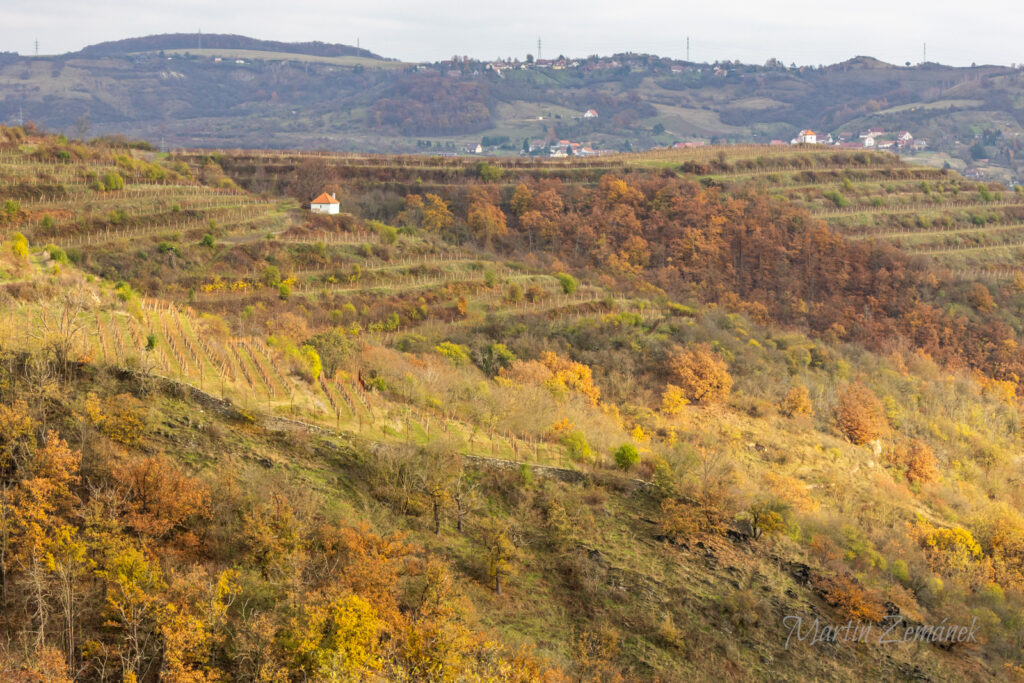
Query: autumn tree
x,y
701,374
436,216
626,456
120,418
796,403
860,415
766,516
412,214
522,198
916,459
850,598
159,496
68,561
486,221
500,553
980,297
673,400
133,580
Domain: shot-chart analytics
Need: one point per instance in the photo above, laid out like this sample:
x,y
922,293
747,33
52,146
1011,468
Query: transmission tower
x,y
538,48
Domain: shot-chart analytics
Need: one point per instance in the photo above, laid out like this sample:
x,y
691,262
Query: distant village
x,y
873,138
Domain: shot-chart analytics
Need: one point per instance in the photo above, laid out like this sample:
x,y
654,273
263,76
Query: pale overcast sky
x,y
807,33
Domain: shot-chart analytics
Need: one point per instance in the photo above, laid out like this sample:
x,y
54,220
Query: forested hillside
x,y
613,419
231,91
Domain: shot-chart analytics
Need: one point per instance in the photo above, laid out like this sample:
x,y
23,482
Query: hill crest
x,y
225,41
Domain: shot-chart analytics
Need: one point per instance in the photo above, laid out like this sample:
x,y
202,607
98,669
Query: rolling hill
x,y
232,91
614,419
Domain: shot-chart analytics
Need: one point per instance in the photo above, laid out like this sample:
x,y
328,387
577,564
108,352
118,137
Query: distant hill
x,y
236,91
224,41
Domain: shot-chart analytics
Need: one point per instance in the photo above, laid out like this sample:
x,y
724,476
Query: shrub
x,y
57,254
123,290
515,293
387,234
681,310
456,353
311,360
568,282
168,248
850,599
112,181
284,291
917,460
703,376
576,446
860,415
767,517
121,418
496,358
11,209
271,276
19,245
626,456
673,400
678,521
489,172
980,298
207,241
796,403
836,198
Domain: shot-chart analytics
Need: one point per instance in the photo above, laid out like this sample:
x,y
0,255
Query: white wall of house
x,y
325,208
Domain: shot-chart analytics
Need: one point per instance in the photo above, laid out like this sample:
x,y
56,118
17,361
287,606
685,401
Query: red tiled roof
x,y
325,198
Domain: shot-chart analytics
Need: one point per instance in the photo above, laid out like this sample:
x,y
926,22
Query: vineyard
x,y
174,329
622,405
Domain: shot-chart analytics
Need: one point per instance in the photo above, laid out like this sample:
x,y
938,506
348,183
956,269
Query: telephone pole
x,y
924,57
37,47
687,48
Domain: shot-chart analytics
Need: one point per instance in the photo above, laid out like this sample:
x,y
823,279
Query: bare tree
x,y
60,330
82,126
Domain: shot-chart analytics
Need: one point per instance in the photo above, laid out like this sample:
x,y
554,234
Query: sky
x,y
956,33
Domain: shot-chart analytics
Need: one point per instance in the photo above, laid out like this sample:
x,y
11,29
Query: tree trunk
x,y
437,514
497,582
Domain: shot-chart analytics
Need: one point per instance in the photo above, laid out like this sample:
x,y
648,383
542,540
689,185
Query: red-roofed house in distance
x,y
325,203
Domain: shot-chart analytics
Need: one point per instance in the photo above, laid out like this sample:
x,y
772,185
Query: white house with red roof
x,y
590,114
325,203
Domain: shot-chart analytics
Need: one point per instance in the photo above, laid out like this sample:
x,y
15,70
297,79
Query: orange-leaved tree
x,y
701,374
860,415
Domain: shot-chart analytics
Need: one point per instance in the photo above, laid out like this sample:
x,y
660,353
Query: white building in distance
x,y
325,203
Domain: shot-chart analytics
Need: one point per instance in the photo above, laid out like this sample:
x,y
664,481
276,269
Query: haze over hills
x,y
233,91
